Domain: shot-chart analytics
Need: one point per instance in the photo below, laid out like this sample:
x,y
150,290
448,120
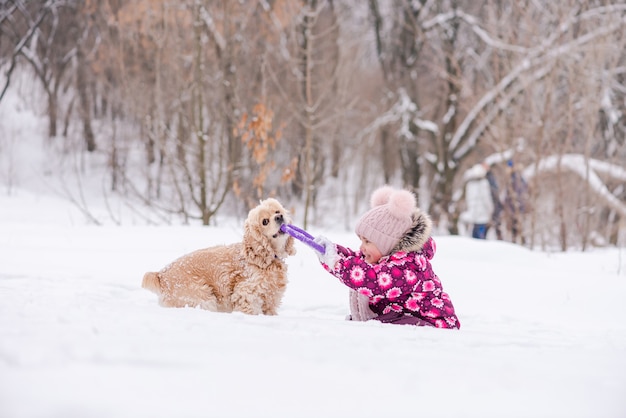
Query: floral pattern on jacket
x,y
403,282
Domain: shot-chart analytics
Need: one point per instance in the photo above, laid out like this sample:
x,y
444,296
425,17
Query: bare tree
x,y
305,74
196,159
17,28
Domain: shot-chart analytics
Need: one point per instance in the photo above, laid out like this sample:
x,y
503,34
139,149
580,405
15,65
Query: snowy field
x,y
543,335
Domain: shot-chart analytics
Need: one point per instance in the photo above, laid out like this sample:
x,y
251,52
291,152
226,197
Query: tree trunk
x,y
53,110
83,98
308,127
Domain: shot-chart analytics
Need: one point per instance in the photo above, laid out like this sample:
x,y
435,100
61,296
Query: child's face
x,y
369,250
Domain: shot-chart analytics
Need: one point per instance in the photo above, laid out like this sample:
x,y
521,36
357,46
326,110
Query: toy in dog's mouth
x,y
281,231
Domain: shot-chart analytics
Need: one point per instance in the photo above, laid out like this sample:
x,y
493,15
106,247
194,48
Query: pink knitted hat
x,y
389,218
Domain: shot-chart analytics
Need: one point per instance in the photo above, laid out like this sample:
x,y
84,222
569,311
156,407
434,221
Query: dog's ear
x,y
256,247
290,247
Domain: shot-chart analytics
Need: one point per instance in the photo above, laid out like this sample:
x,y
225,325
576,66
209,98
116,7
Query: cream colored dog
x,y
248,276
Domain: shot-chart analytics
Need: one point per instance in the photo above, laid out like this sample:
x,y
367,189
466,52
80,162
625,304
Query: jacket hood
x,y
417,235
477,171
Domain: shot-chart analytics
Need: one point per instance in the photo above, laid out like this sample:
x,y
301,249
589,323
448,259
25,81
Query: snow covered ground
x,y
543,335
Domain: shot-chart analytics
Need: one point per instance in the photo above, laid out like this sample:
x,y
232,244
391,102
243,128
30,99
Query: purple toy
x,y
302,235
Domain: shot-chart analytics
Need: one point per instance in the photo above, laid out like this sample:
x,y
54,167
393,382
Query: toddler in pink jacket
x,y
391,277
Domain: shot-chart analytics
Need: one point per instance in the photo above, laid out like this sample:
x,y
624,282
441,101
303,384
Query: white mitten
x,y
360,307
330,256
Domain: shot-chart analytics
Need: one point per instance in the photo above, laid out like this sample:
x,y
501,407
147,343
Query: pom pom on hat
x,y
402,204
380,196
389,218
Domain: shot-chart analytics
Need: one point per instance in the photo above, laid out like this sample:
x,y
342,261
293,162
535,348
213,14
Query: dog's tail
x,y
151,282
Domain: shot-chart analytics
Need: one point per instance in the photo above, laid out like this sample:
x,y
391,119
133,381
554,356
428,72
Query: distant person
x,y
516,201
390,277
478,199
498,207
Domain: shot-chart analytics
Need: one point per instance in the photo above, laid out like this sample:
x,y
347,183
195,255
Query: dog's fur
x,y
248,276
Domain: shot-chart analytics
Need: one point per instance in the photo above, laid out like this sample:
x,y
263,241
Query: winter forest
x,y
188,110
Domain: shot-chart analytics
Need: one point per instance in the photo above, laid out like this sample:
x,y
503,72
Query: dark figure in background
x,y
516,201
496,216
478,200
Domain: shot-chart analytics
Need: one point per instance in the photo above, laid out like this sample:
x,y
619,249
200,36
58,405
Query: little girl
x,y
391,278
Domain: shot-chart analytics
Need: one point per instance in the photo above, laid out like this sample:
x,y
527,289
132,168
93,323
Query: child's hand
x,y
329,257
324,242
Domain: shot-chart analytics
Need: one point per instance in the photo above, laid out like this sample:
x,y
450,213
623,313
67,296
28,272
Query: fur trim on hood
x,y
417,235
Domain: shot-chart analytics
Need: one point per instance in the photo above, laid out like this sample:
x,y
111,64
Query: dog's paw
x,y
247,302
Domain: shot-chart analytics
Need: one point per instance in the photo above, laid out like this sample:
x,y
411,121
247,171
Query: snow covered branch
x,y
587,169
536,57
404,111
500,157
210,25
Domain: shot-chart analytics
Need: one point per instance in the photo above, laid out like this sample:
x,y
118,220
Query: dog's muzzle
x,y
279,219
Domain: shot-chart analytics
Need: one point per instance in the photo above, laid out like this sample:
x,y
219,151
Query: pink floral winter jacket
x,y
402,287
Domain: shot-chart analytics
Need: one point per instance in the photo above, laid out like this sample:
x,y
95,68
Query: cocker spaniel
x,y
248,276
